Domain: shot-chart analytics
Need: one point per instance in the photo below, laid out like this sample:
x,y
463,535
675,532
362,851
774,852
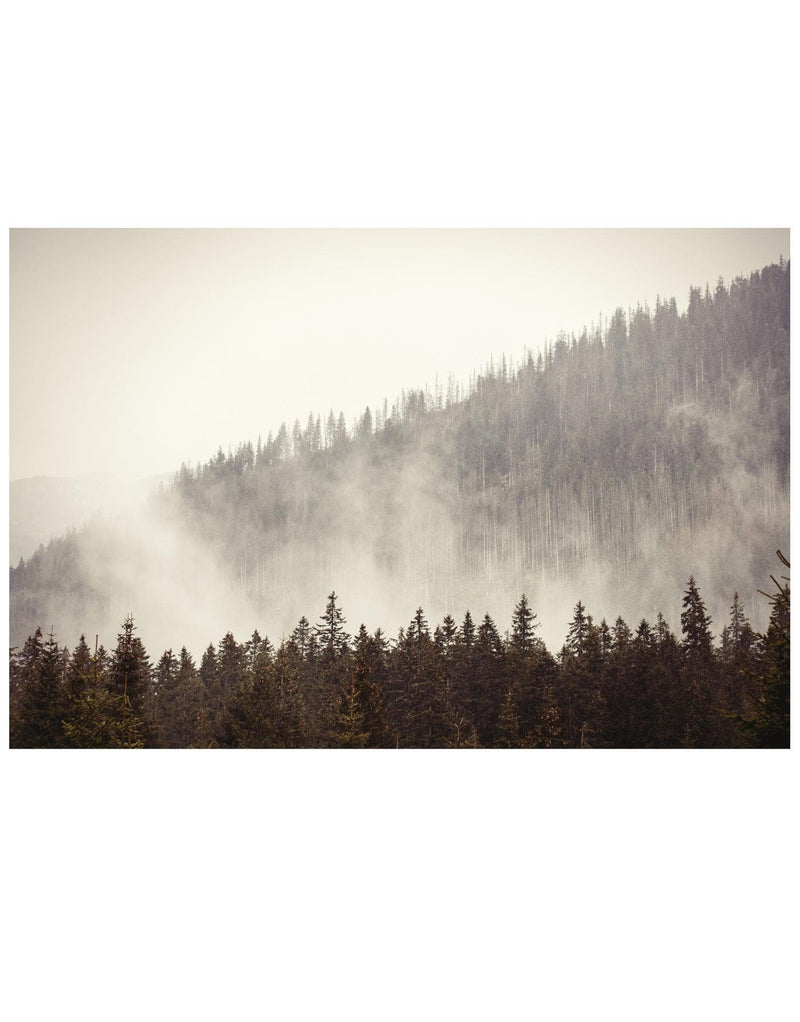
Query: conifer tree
x,y
350,731
98,716
702,715
163,691
186,724
695,624
290,669
508,724
42,700
768,727
523,628
80,670
581,679
530,667
332,637
332,670
738,659
130,669
23,674
129,678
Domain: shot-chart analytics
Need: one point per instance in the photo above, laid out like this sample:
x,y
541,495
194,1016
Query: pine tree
x,y
290,669
41,703
250,717
769,725
446,635
418,692
331,673
129,679
702,715
80,670
187,727
695,624
99,716
548,729
523,628
490,682
302,636
130,669
23,675
333,639
738,660
508,723
351,731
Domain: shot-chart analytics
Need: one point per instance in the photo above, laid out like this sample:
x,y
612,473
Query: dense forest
x,y
458,686
601,457
610,466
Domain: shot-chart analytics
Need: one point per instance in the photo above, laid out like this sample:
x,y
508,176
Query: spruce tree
x,y
523,628
769,725
701,724
42,700
130,669
333,639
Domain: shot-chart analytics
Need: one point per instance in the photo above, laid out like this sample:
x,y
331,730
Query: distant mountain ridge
x,y
610,467
44,507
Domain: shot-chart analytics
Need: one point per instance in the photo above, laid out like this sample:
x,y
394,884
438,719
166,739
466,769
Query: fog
x,y
451,504
190,576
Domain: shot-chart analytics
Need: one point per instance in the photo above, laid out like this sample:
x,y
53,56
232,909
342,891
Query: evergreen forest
x,y
456,686
610,466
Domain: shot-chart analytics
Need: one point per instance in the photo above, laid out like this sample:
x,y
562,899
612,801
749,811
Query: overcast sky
x,y
132,351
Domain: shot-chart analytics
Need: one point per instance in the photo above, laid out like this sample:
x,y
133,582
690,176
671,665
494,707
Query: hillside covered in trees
x,y
610,466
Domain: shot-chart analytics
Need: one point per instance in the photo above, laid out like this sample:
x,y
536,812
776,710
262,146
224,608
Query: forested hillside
x,y
609,468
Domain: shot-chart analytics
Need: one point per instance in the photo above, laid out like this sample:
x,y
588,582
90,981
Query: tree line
x,y
454,686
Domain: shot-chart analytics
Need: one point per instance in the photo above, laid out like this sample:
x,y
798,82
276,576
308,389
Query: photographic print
x,y
399,489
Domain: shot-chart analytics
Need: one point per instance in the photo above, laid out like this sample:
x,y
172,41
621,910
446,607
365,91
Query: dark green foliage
x,y
581,702
695,624
738,658
361,717
180,706
329,665
251,718
768,725
330,632
37,677
523,627
130,673
461,687
704,712
417,689
96,716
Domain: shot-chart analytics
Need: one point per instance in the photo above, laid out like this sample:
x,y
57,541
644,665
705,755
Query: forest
x,y
611,466
458,686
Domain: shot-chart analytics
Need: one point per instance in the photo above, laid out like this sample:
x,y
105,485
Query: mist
x,y
183,590
527,482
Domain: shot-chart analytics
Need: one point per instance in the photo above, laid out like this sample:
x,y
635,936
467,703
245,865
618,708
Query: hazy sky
x,y
132,351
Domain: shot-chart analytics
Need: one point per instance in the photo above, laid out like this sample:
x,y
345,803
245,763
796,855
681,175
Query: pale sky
x,y
133,350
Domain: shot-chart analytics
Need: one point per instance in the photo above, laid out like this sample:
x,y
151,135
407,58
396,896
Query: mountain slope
x,y
610,468
41,507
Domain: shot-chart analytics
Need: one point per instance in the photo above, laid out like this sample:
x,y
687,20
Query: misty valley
x,y
632,481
